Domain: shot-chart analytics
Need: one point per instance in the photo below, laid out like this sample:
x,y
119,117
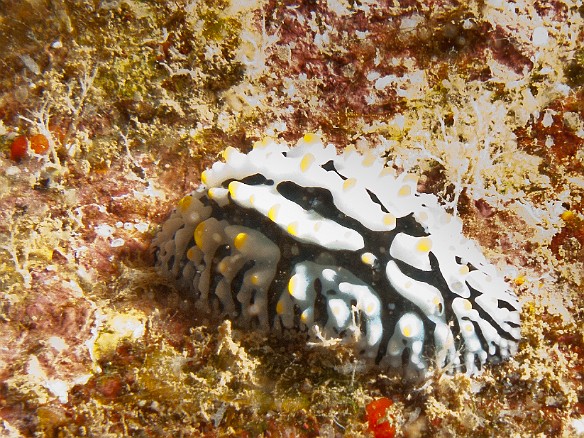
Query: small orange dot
x,y
567,215
39,143
520,280
18,148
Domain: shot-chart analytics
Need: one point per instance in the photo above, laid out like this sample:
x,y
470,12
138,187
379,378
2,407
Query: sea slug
x,y
337,246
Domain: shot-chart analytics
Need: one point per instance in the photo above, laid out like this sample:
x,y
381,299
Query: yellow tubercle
x,y
349,150
254,279
260,144
280,308
199,233
368,258
310,137
412,178
446,218
293,229
424,244
205,177
349,183
407,331
233,185
292,285
185,203
405,191
273,212
191,253
240,240
464,269
386,171
304,317
368,160
389,220
229,153
306,162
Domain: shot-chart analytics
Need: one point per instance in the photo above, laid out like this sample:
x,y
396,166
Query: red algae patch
x,y
377,419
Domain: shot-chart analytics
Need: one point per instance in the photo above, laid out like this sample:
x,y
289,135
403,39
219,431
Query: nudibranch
x,y
338,246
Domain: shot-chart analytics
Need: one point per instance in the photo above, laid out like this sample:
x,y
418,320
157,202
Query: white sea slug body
x,y
300,238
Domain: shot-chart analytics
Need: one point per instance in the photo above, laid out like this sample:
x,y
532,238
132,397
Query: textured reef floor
x,y
109,112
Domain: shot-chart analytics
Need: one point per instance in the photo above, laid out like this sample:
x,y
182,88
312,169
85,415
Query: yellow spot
x,y
191,253
199,233
254,279
469,327
306,162
211,193
280,308
310,137
370,308
205,177
252,199
222,267
261,143
349,183
228,153
410,177
349,150
407,331
368,258
464,269
317,225
233,186
185,203
520,280
292,285
386,171
436,301
389,220
336,310
368,160
446,218
273,212
240,240
304,317
567,215
293,229
424,244
405,191
467,305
